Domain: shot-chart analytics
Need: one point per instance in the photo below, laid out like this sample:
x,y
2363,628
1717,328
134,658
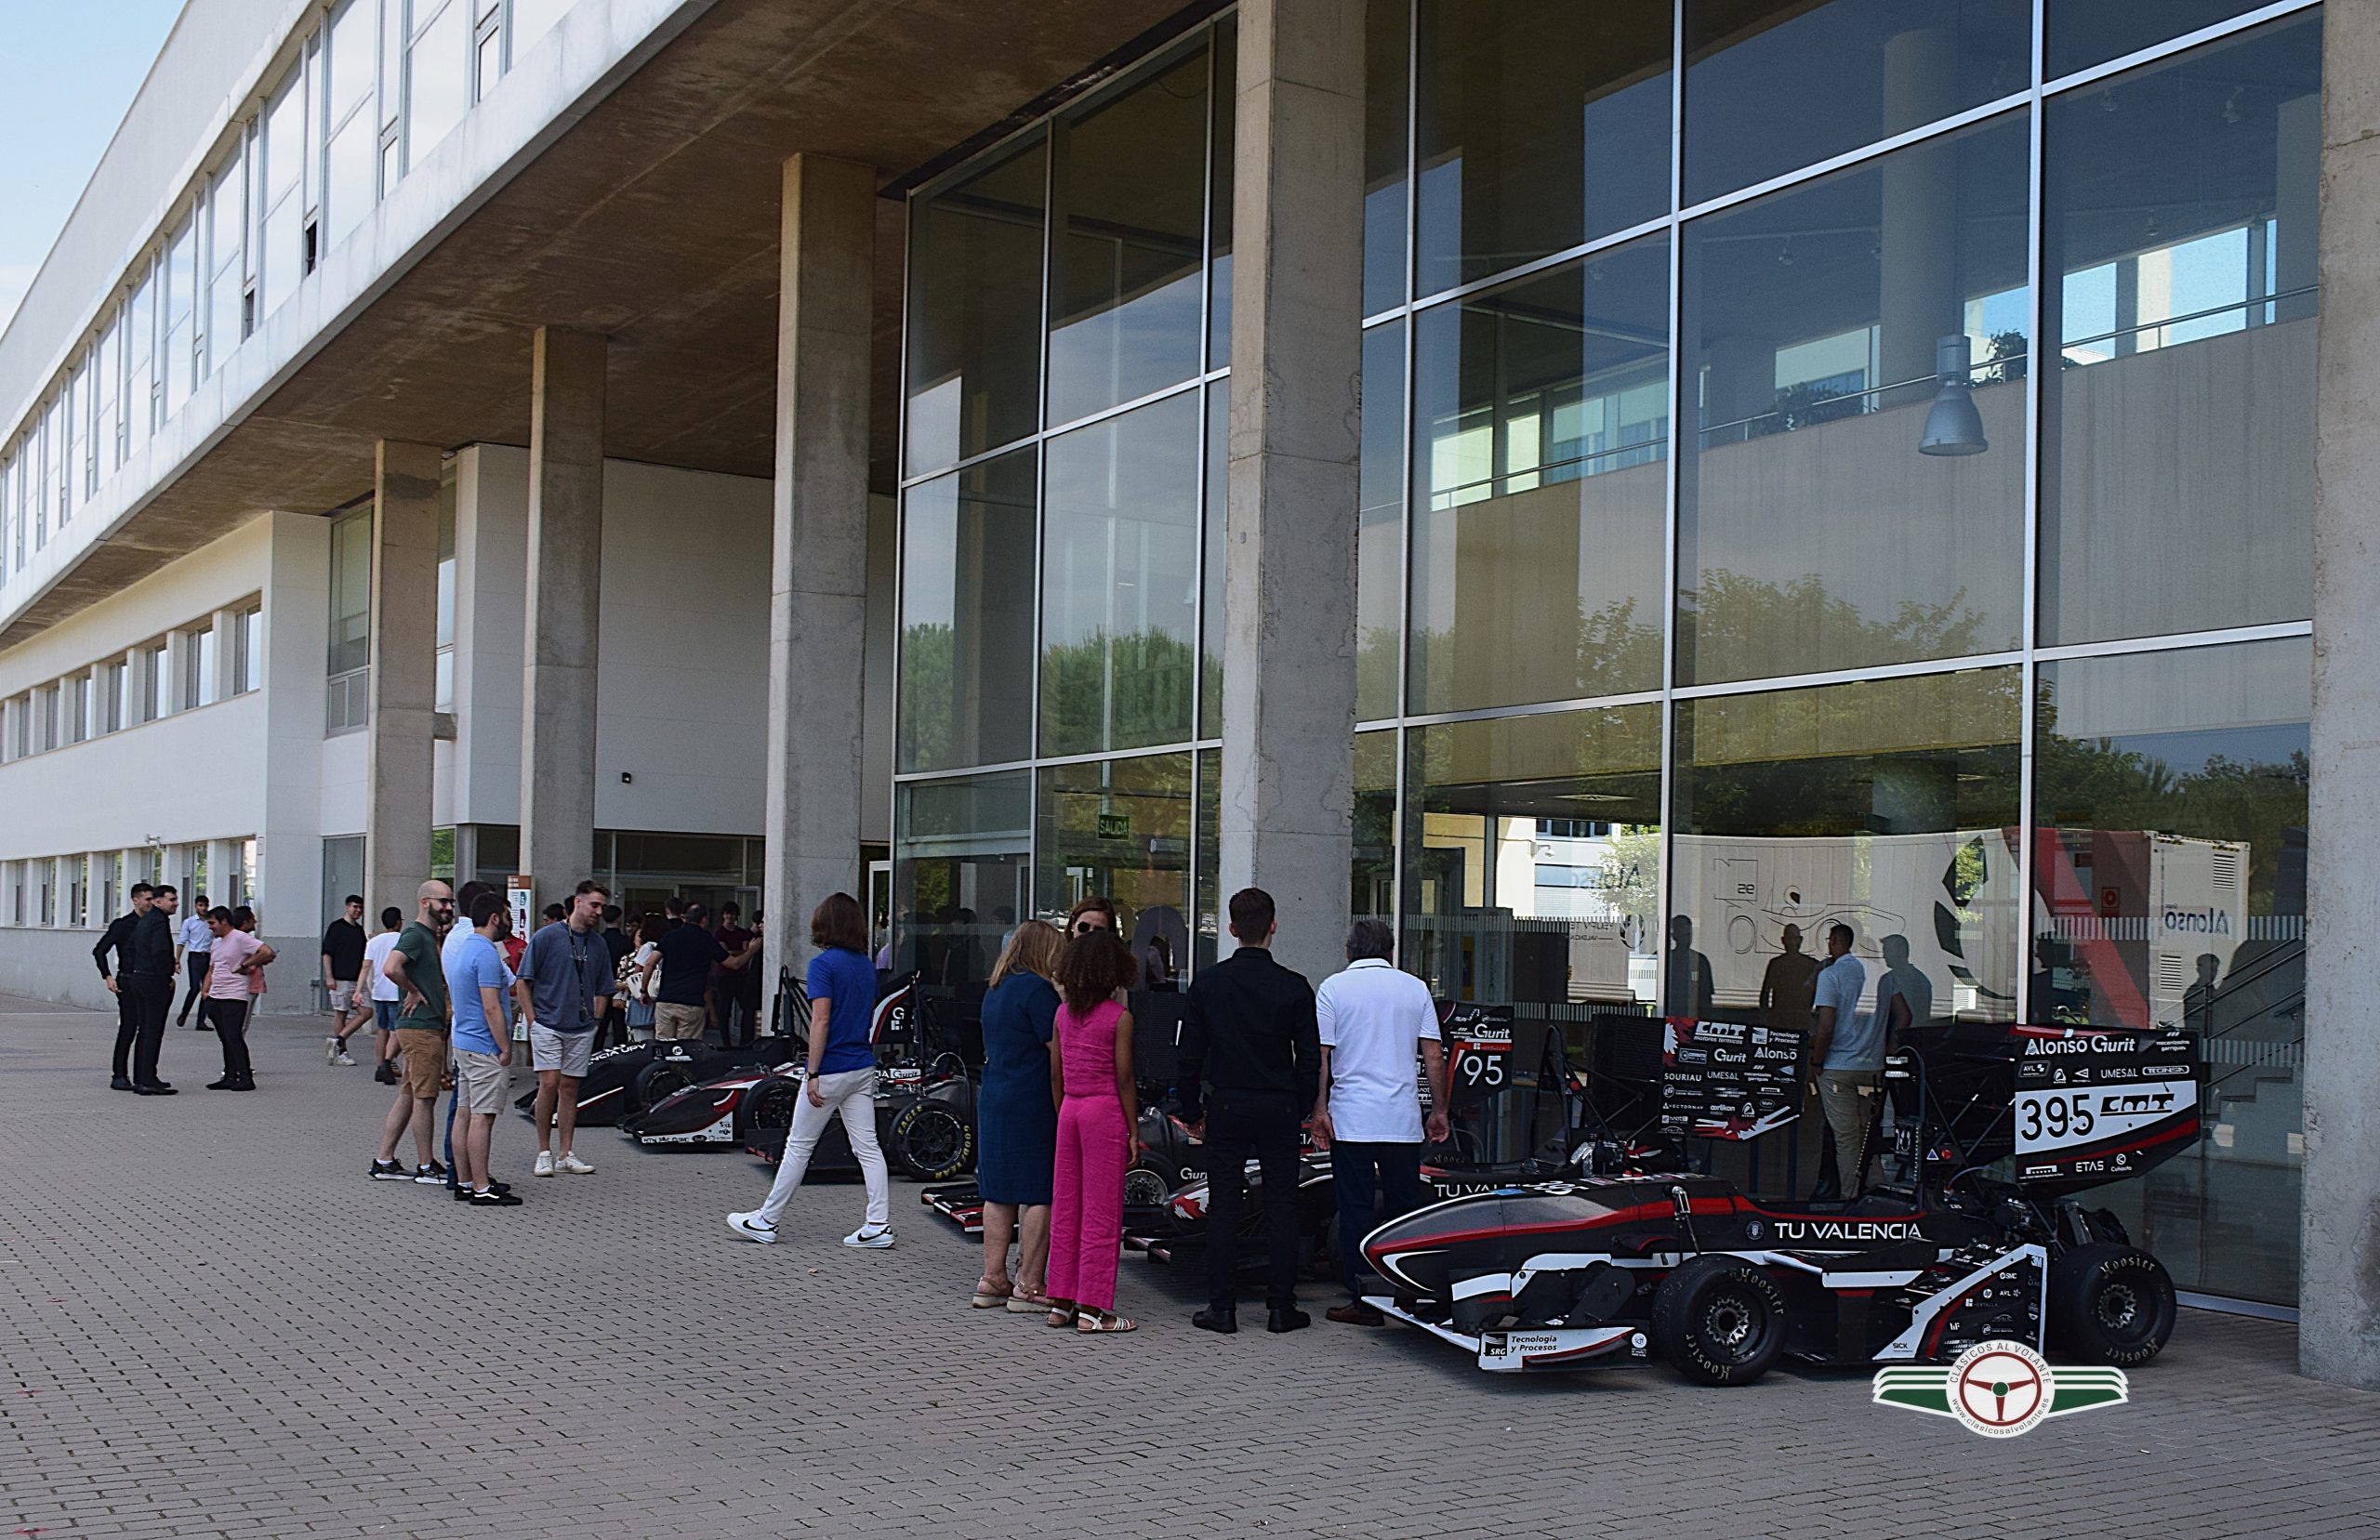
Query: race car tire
x,y
1719,1320
931,1142
2110,1303
655,1082
768,1105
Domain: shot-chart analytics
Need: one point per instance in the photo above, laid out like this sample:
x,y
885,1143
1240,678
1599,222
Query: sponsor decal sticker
x,y
2001,1389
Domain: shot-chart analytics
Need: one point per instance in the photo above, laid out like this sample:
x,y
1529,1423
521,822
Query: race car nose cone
x,y
1411,1249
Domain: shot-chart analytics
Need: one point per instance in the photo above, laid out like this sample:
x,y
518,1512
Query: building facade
x,y
1585,484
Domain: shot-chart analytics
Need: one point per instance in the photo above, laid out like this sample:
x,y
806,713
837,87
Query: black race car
x,y
925,1100
623,1081
1555,1274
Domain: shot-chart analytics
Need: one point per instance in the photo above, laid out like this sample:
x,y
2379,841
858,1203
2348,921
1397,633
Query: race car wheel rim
x,y
1143,1188
933,1139
2119,1308
1733,1323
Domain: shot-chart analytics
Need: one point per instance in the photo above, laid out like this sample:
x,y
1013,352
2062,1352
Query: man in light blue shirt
x,y
1848,1047
476,980
192,944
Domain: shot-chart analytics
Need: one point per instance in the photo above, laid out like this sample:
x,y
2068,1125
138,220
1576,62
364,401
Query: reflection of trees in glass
x,y
1632,874
1737,615
1137,683
926,705
2003,358
2100,784
1612,652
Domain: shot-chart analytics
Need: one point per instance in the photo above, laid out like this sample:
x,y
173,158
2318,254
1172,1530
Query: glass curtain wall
x,y
1061,631
1730,563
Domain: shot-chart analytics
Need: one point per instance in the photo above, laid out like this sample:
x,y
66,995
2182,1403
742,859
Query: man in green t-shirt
x,y
413,967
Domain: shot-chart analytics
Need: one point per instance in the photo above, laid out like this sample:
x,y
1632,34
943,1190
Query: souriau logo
x,y
2001,1389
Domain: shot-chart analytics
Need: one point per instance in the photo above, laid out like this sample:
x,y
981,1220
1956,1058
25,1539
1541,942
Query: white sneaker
x,y
753,1228
345,1059
544,1166
575,1167
330,1050
871,1238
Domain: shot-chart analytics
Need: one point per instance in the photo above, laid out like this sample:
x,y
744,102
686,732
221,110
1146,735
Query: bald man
x,y
413,967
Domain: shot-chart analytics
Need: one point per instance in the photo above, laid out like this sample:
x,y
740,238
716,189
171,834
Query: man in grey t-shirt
x,y
1848,1047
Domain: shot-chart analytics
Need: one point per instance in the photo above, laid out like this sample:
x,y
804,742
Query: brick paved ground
x,y
212,1324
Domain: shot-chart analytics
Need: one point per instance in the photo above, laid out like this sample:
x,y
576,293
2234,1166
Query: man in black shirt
x,y
1248,1032
118,940
342,964
688,954
147,969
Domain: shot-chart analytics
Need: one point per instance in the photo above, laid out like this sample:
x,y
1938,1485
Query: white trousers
x,y
851,1095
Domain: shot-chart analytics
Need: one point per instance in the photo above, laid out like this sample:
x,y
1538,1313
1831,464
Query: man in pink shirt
x,y
227,993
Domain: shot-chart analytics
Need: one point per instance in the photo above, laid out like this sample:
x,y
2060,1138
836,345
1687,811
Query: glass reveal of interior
x,y
1122,828
961,860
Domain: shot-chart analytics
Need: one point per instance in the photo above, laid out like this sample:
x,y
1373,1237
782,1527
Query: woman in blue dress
x,y
1017,1120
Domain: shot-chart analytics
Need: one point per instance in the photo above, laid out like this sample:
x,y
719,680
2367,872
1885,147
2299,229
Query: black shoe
x,y
204,1027
226,1084
247,1083
1286,1320
492,1198
181,1021
1225,1322
154,1088
119,1083
431,1175
499,1187
461,1194
386,1074
390,1171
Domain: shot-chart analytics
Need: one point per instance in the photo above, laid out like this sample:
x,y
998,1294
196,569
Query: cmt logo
x,y
2196,922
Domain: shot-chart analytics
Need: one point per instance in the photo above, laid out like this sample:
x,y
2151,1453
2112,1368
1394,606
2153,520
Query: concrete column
x,y
2338,1332
404,676
818,566
564,610
1289,543
1917,300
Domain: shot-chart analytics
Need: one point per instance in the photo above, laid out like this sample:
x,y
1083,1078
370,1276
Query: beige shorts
x,y
566,1051
425,1070
672,1022
480,1080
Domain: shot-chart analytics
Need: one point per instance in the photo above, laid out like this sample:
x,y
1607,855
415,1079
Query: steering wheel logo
x,y
2000,1389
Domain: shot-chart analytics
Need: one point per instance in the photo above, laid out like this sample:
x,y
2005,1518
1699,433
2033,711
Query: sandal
x,y
1062,1314
1028,1304
1094,1322
991,1299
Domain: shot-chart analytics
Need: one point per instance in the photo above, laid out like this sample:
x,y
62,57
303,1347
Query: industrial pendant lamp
x,y
1952,425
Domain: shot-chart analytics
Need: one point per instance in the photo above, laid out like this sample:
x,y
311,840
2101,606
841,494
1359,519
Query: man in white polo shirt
x,y
1370,1017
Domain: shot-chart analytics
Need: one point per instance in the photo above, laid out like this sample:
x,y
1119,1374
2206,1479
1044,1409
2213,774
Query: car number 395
x,y
2054,1117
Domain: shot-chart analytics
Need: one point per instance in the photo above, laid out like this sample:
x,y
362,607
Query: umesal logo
x,y
2196,922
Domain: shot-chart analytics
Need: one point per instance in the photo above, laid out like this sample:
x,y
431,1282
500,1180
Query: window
x,y
447,568
967,634
181,312
281,196
198,667
348,193
227,218
116,696
107,446
974,307
51,710
1120,827
247,641
350,651
78,707
437,86
140,351
962,862
157,681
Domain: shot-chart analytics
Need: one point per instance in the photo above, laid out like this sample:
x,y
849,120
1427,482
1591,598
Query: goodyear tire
x,y
932,1142
768,1105
655,1082
1719,1320
2110,1303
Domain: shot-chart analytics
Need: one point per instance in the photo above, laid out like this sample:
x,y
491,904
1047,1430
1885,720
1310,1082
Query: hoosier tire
x,y
2110,1303
656,1083
1719,1320
931,1142
768,1105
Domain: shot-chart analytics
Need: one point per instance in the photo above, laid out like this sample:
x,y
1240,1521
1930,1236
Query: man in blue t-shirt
x,y
1848,1047
483,1042
565,986
842,1082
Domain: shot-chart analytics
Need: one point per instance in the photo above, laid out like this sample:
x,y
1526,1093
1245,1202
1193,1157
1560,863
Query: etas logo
x,y
2001,1389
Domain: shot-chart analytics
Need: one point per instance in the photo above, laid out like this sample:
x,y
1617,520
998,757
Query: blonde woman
x,y
1017,1120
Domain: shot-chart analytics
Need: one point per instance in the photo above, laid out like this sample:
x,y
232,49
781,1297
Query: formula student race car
x,y
624,1080
1557,1274
925,1101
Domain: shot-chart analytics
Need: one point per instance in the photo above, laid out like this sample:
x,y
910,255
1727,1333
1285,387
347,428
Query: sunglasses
x,y
1084,928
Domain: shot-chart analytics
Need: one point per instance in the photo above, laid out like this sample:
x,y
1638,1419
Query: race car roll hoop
x,y
1975,1235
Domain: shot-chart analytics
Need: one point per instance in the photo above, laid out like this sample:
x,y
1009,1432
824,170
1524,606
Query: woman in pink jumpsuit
x,y
1091,1075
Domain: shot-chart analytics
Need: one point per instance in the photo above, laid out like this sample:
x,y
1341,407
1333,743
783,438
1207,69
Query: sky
x,y
72,69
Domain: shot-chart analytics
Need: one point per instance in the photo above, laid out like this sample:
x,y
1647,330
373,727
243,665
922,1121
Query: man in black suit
x,y
1247,1033
147,971
118,940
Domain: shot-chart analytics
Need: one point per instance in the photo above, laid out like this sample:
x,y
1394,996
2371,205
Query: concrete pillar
x,y
2338,1332
1289,543
818,567
404,676
564,610
1918,299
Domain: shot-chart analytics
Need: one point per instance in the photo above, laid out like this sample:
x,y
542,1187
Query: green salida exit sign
x,y
1114,826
